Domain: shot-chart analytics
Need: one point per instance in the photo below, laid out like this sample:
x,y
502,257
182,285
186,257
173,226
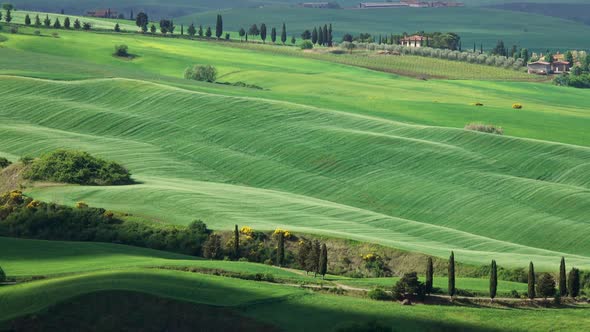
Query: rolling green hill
x,y
339,163
474,25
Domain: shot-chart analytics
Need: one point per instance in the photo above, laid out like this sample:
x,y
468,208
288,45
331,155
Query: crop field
x,y
474,25
326,148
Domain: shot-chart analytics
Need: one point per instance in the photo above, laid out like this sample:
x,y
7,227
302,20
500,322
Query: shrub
x,y
206,73
517,106
514,294
478,104
490,129
37,33
306,45
55,35
378,294
2,275
4,162
81,205
122,51
79,168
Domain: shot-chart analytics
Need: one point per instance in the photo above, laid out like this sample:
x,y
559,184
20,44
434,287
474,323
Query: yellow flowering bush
x,y
286,234
370,257
109,214
517,106
81,205
33,204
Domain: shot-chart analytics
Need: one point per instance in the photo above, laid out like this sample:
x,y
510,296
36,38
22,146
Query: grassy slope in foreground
x,y
547,115
425,189
282,305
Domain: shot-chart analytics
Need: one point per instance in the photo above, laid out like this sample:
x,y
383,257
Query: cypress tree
x,y
236,242
8,16
293,40
330,36
263,33
273,35
308,264
493,280
531,282
562,278
153,29
2,275
37,21
208,32
27,20
192,31
47,21
320,37
314,258
77,24
117,27
325,34
131,15
302,255
67,23
281,249
314,36
242,33
57,24
573,283
323,266
480,48
219,27
182,29
451,287
284,34
200,31
429,276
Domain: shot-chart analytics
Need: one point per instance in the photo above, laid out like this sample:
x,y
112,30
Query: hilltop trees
x,y
37,21
208,33
253,31
68,24
531,282
263,33
323,264
212,247
242,33
281,249
562,278
219,27
2,275
236,243
451,276
27,20
142,20
573,283
546,286
57,24
77,24
192,31
284,34
273,35
429,276
47,21
493,280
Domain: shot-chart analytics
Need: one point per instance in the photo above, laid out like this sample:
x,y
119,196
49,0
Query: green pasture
x,y
18,17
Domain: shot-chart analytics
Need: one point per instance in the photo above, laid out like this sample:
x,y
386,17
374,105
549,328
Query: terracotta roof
x,y
561,62
539,63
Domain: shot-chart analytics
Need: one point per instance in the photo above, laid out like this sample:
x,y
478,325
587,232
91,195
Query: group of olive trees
x,y
469,56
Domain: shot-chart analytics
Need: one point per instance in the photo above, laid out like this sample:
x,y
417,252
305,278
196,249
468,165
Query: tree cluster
x,y
313,257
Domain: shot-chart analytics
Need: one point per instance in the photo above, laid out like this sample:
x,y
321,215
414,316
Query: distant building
x,y
103,13
546,68
409,3
315,5
560,66
369,5
413,41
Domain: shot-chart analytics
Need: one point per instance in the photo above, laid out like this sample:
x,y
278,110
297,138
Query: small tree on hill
x,y
200,32
219,27
117,27
192,31
320,37
8,16
67,23
323,266
293,40
451,286
493,280
27,20
47,22
236,242
253,31
57,24
153,29
77,24
573,283
2,275
263,33
284,34
304,251
281,249
142,20
531,282
212,247
562,278
313,258
208,34
122,51
86,26
429,276
37,21
546,286
314,36
242,33
273,35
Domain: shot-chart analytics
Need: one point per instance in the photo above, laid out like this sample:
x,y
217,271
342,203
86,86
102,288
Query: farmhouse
x,y
413,41
409,3
370,5
102,13
539,67
315,5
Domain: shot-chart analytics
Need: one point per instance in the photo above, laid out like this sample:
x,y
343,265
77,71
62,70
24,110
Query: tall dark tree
x,y
67,23
325,34
304,251
208,33
37,21
313,258
242,33
293,40
253,31
330,36
153,29
219,27
524,55
546,286
236,242
192,31
500,49
273,35
57,23
131,15
320,36
164,26
284,34
117,27
323,264
429,276
493,280
573,283
480,48
182,29
263,33
306,35
47,22
531,282
212,247
281,249
77,24
141,20
562,278
200,31
451,287
2,275
8,18
27,20
314,36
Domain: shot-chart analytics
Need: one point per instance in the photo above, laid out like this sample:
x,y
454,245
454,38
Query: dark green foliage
x,y
281,249
236,252
200,32
577,81
117,28
273,35
47,21
284,34
562,278
166,26
378,294
227,36
86,26
219,27
500,49
153,29
302,255
293,40
313,259
141,20
182,29
192,31
77,24
320,36
27,20
77,167
546,286
314,36
68,24
212,247
242,33
366,327
253,31
2,275
323,265
203,73
37,21
208,34
4,162
56,222
122,51
531,282
493,280
8,18
573,283
451,287
263,33
306,35
306,45
409,284
429,276
57,24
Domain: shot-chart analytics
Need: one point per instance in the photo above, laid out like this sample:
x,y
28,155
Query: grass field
x,y
97,23
474,25
359,172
